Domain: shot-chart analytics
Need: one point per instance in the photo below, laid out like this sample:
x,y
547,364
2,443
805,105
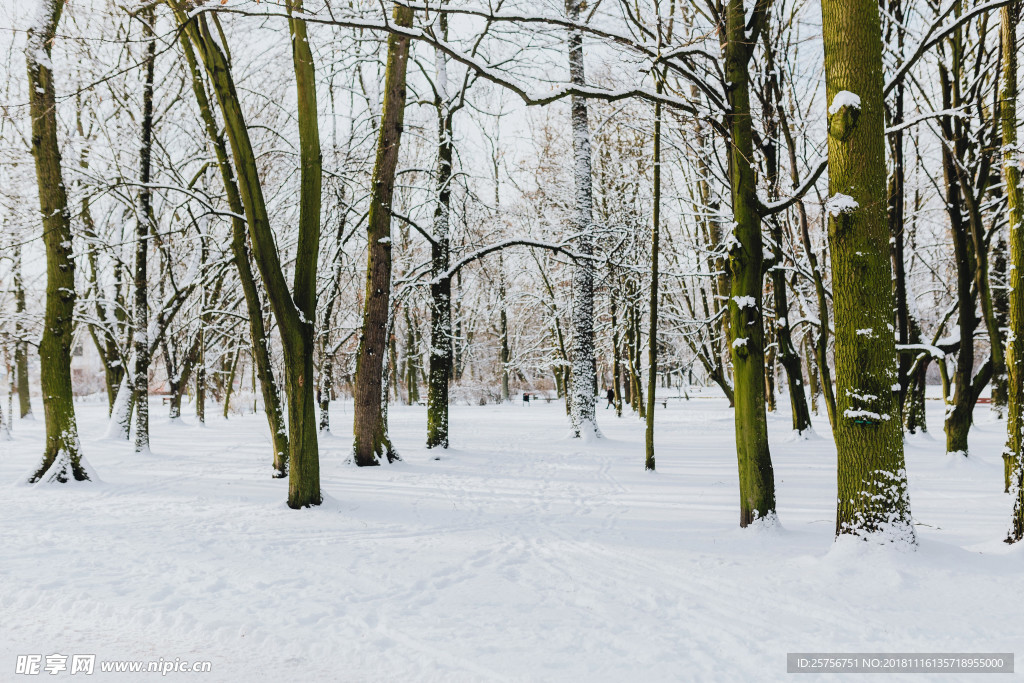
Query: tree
x,y
1014,453
144,229
62,457
370,417
583,380
295,309
869,438
746,328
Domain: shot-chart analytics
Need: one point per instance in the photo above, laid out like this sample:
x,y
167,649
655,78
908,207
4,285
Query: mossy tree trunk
x,y
240,254
1014,454
62,457
293,310
746,329
372,443
872,480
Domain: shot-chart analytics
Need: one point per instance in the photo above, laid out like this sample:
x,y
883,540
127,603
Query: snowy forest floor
x,y
519,555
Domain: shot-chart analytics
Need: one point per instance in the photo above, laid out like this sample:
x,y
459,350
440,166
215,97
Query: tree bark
x,y
582,417
652,334
746,329
372,442
240,253
62,457
294,311
144,228
20,344
1014,453
872,481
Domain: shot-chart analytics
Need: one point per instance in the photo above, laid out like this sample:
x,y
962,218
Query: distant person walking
x,y
526,399
611,398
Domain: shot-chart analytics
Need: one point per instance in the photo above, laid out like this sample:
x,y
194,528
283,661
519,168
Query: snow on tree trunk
x,y
1014,453
872,479
582,416
62,458
144,228
746,255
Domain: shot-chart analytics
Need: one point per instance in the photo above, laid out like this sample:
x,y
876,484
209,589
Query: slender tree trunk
x,y
20,344
582,415
616,357
230,385
62,457
263,368
294,311
1014,453
652,334
504,355
872,479
144,228
371,436
440,360
746,329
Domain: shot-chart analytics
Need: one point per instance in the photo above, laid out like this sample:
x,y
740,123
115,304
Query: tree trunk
x,y
1014,452
582,417
652,334
20,344
746,329
371,436
144,228
62,457
616,357
295,311
240,253
872,480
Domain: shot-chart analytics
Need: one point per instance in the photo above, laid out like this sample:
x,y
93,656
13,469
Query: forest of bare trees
x,y
269,205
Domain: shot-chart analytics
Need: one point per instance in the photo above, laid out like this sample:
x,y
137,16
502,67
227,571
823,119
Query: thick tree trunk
x,y
872,480
62,458
371,431
1014,453
746,329
144,228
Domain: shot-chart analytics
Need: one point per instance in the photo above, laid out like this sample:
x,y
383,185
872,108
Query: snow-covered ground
x,y
519,555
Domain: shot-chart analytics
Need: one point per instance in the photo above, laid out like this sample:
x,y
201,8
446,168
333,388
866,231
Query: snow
x,y
844,98
745,301
520,555
839,204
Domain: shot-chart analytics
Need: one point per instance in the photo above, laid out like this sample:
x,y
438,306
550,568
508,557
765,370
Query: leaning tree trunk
x,y
62,457
872,480
582,417
746,329
240,254
1014,453
372,442
294,311
144,228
